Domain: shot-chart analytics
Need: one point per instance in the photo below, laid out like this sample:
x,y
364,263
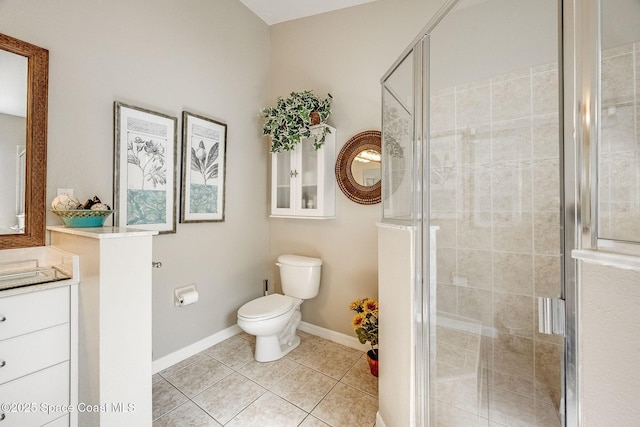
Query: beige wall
x,y
206,56
344,53
609,346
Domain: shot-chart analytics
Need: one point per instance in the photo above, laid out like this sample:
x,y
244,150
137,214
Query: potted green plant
x,y
296,117
365,323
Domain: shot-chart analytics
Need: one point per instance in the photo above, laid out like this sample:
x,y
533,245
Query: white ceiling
x,y
275,11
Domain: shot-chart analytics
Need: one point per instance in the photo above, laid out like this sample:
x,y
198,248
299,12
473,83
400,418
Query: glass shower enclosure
x,y
472,148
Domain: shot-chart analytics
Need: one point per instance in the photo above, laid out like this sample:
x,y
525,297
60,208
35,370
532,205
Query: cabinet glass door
x,y
309,173
283,180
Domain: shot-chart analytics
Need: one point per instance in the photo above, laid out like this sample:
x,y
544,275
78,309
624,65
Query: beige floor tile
x,y
305,336
228,387
165,398
461,392
450,416
183,364
305,349
246,336
344,348
234,352
198,376
360,377
547,415
228,397
312,421
187,414
267,374
332,361
234,339
304,387
269,411
510,408
348,407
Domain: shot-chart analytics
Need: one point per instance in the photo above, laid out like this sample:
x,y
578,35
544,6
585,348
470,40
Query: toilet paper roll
x,y
189,297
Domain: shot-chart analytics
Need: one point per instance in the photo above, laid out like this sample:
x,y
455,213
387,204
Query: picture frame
x,y
204,155
144,165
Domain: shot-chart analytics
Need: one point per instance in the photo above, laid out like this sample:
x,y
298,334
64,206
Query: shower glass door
x,y
494,188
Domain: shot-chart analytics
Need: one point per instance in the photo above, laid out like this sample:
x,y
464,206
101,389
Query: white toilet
x,y
274,318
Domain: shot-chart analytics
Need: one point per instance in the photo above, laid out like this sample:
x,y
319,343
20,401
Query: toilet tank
x,y
299,275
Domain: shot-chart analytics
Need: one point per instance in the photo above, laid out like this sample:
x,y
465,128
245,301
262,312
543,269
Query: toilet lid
x,y
265,307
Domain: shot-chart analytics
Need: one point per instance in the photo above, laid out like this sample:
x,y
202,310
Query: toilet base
x,y
269,348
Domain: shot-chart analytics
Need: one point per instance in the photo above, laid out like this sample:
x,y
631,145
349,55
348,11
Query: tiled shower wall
x,y
495,193
618,149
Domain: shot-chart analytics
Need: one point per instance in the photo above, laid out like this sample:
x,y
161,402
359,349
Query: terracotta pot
x,y
372,358
315,118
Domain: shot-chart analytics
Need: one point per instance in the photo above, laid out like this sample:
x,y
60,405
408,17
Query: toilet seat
x,y
266,307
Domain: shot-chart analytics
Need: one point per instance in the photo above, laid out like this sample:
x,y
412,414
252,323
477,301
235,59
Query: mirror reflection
x,y
13,112
365,167
619,145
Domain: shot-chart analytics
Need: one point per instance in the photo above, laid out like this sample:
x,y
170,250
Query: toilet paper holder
x,y
185,295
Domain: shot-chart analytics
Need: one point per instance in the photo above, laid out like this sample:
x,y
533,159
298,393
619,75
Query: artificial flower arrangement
x,y
365,323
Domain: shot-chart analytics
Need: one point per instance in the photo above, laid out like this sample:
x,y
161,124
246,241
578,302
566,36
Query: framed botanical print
x,y
204,147
144,179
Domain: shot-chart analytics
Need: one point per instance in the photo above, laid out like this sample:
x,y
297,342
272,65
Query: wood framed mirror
x,y
30,179
358,168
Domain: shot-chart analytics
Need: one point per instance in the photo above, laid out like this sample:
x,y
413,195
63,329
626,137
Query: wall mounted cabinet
x,y
303,184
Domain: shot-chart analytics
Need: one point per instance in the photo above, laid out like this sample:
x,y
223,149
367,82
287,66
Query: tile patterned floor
x,y
318,384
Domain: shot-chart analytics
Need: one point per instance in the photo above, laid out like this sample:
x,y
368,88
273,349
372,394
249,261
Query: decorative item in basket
x,y
92,213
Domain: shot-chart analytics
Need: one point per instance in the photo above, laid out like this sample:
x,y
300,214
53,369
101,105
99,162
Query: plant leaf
x,y
133,159
195,161
212,155
214,172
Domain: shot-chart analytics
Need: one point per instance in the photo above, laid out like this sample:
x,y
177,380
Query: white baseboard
x,y
195,348
188,351
379,420
338,337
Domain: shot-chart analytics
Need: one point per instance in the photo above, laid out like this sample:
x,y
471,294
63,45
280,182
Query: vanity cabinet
x,y
303,180
38,345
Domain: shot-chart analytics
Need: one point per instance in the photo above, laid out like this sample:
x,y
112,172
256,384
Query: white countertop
x,y
51,256
102,232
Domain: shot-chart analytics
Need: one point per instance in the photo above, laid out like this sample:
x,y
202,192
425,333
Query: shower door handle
x,y
551,317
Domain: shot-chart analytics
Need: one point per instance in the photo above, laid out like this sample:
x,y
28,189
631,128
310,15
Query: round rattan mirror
x,y
358,168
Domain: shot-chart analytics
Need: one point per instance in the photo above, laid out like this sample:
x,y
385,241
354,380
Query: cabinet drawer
x,y
33,311
28,353
29,397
